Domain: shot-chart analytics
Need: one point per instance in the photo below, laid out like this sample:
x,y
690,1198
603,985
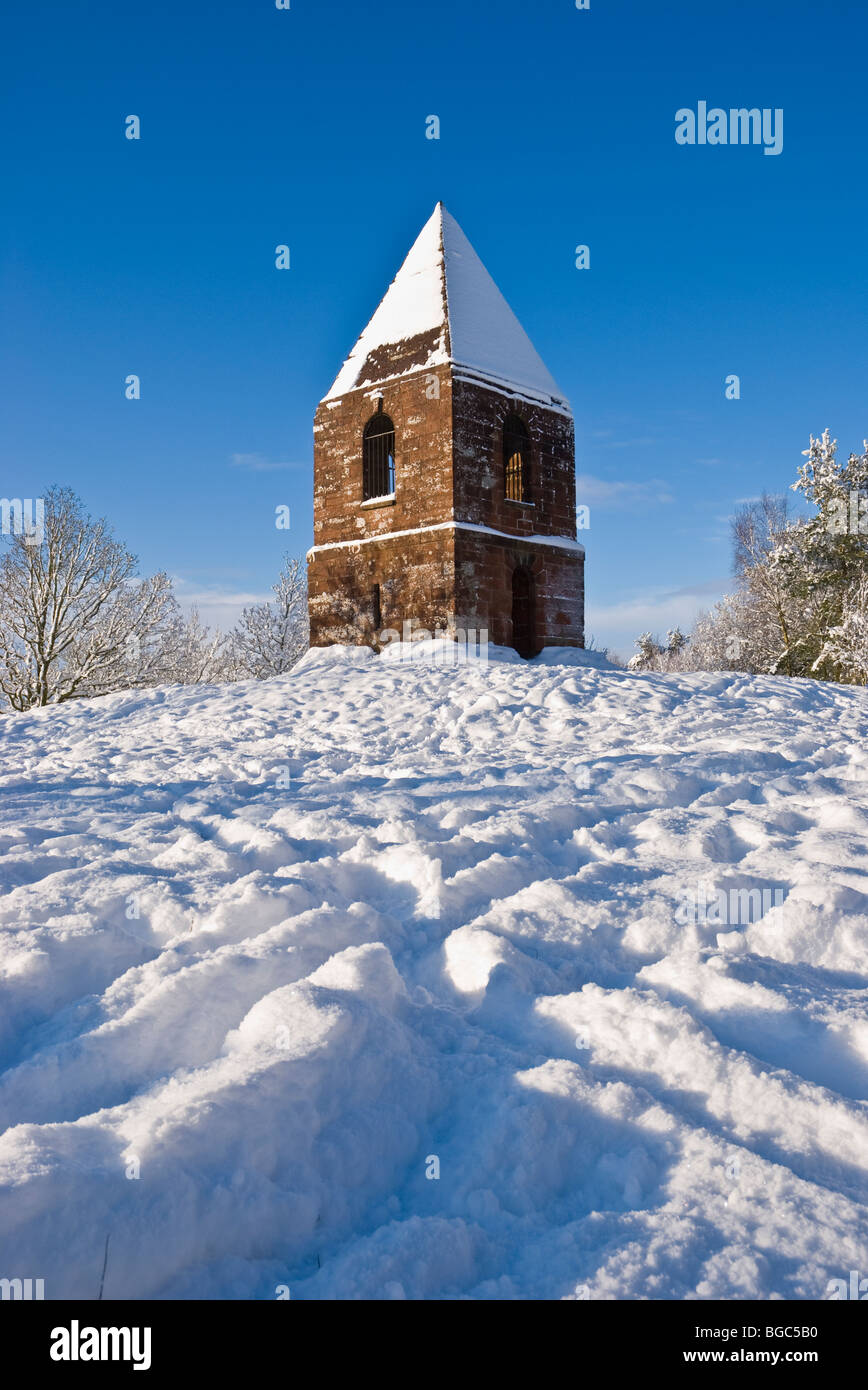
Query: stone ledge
x,y
374,502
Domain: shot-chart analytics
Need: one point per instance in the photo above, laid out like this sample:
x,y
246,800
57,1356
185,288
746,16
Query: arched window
x,y
378,458
516,459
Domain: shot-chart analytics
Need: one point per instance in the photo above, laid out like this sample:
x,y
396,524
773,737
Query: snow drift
x,y
398,980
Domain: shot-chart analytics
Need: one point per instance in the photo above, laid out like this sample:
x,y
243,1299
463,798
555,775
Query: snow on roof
x,y
444,308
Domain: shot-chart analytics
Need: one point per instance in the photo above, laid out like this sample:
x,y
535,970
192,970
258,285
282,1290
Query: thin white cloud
x,y
653,610
217,607
257,463
706,586
620,493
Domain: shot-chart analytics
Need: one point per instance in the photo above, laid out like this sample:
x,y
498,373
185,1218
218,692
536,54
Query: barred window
x,y
516,459
378,467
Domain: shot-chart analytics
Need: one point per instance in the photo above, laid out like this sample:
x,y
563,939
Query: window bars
x,y
378,469
516,459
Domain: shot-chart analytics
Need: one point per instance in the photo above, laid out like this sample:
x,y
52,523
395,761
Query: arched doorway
x,y
523,614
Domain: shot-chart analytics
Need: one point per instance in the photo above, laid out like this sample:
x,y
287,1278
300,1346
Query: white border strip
x,y
559,542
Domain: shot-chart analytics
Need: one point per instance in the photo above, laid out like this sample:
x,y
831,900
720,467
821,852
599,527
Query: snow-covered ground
x,y
282,949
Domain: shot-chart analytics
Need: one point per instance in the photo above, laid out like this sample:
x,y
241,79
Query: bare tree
x,y
759,532
72,620
269,638
190,653
756,529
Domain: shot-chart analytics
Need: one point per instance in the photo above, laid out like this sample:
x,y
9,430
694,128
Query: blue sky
x,y
307,127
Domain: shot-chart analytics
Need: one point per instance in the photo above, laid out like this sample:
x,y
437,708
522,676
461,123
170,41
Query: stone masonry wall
x,y
448,465
420,407
416,575
479,413
484,568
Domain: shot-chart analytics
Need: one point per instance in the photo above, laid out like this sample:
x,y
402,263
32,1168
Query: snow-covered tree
x,y
845,650
72,612
799,605
191,653
651,655
767,614
824,557
739,634
648,650
269,638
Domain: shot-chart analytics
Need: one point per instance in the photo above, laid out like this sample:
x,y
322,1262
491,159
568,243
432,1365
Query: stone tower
x,y
444,469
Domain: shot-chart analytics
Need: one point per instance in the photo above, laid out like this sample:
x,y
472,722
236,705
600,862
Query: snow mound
x,y
396,979
442,651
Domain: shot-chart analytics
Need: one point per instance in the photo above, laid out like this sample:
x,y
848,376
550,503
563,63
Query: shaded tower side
x,y
519,568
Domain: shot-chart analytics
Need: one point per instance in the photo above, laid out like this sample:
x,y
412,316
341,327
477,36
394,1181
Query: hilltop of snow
x,y
383,979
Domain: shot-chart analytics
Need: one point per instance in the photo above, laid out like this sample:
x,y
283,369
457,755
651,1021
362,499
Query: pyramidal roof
x,y
443,307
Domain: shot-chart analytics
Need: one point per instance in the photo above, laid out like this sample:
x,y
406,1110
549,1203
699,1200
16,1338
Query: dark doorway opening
x,y
523,614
